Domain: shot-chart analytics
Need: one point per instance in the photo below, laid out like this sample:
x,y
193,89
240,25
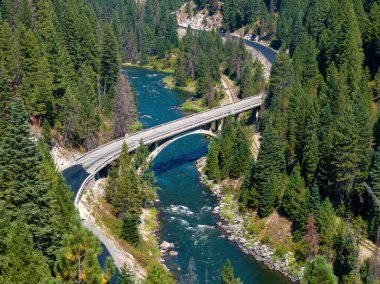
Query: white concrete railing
x,y
161,136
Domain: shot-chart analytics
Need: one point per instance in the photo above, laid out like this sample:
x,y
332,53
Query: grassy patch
x,y
169,82
194,106
166,65
137,126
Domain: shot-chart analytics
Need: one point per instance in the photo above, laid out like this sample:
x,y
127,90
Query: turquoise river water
x,y
185,205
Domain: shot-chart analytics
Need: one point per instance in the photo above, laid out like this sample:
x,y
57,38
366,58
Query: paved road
x,y
269,53
93,161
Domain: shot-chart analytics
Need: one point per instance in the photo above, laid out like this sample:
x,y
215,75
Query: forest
x,y
60,83
318,161
203,57
320,126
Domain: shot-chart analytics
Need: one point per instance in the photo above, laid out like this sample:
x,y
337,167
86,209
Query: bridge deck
x,y
93,161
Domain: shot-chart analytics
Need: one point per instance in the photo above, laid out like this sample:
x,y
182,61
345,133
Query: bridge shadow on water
x,y
179,160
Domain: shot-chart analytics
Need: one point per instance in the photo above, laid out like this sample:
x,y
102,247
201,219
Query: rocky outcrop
x,y
234,230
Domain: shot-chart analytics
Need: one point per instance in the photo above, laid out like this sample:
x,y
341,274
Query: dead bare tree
x,y
124,107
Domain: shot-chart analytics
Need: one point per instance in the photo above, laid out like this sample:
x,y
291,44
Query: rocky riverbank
x,y
235,231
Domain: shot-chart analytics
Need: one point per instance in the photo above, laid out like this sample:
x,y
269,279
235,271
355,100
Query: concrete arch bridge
x,y
208,122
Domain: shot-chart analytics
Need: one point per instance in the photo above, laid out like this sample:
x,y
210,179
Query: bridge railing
x,y
163,124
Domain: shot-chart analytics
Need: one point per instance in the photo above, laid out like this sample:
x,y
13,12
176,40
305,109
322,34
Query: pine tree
x,y
318,270
345,155
37,79
271,158
126,276
314,199
243,153
24,192
228,273
129,231
109,61
158,275
268,197
295,198
346,259
23,263
326,223
8,70
212,166
227,150
62,208
312,237
141,155
124,107
5,221
310,157
122,189
46,133
375,173
77,257
372,37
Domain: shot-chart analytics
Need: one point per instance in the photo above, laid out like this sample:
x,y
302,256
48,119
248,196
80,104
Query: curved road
x,y
85,167
269,53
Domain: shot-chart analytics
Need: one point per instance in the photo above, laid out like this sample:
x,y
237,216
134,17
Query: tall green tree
x,y
77,258
24,192
318,270
129,230
22,262
212,166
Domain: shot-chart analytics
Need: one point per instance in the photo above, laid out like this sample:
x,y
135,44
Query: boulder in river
x,y
173,253
165,245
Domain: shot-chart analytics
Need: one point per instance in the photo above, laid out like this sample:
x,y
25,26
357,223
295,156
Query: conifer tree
x,y
228,273
8,70
24,192
122,189
141,155
212,166
77,257
295,197
126,276
268,197
129,231
23,263
109,61
46,133
375,173
314,198
318,270
158,275
37,79
345,155
271,158
5,221
312,237
243,153
346,260
227,150
326,223
310,157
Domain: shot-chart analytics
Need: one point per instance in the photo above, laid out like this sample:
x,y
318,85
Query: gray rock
x,y
165,245
173,253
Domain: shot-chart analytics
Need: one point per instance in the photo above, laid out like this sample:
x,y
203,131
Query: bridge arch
x,y
161,147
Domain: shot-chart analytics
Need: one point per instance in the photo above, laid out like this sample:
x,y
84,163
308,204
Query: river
x,y
185,203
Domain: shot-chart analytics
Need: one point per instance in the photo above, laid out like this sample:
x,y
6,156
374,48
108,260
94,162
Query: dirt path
x,y
229,89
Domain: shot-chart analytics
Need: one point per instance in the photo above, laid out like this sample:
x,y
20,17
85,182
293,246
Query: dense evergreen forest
x,y
203,57
319,134
60,64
